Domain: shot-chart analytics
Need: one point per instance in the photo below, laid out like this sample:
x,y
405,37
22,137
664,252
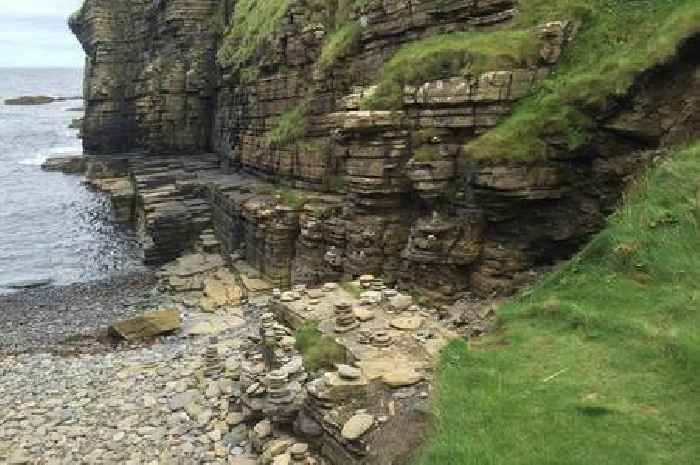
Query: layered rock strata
x,y
149,69
387,193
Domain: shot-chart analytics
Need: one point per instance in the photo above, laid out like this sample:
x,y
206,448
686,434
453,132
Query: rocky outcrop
x,y
149,69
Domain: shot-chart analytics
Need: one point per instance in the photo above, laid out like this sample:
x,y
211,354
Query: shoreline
x,y
43,319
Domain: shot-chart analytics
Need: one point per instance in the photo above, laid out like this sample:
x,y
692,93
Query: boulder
x,y
148,326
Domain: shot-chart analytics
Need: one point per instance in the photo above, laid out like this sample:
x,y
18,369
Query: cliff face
x,y
149,73
384,192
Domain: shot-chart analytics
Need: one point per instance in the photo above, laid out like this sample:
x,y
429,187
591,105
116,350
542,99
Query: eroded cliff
x,y
327,188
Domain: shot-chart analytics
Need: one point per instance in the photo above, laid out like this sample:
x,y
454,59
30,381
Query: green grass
x,y
291,198
351,288
427,153
338,44
319,351
599,363
252,24
616,42
292,124
447,55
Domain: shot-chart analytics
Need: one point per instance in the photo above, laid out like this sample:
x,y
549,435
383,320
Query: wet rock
x,y
71,164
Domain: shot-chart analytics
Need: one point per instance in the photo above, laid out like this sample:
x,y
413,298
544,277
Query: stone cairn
x,y
278,388
212,362
251,370
366,281
299,453
381,338
365,336
378,285
267,329
286,349
345,320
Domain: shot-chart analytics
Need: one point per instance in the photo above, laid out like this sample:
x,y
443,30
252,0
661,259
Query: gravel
x,y
40,319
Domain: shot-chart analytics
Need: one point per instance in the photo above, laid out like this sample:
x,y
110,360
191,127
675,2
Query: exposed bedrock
x,y
389,193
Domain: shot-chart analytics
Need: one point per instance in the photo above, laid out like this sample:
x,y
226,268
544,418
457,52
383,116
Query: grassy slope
x,y
599,364
617,40
454,54
252,24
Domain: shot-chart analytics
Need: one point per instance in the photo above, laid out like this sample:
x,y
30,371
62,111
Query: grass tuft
x,y
602,357
319,351
291,198
338,44
616,41
427,153
291,126
252,24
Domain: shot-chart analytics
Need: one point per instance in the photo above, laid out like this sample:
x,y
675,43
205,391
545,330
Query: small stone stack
x,y
345,320
286,349
365,336
381,338
329,287
318,397
378,285
212,362
366,281
251,370
299,453
278,388
267,329
276,294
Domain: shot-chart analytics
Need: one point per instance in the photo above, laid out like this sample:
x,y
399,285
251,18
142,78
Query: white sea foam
x,y
38,158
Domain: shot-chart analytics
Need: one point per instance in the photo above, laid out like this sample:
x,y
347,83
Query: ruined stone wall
x,y
149,69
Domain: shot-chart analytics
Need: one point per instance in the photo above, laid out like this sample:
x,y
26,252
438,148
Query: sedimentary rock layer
x,y
383,192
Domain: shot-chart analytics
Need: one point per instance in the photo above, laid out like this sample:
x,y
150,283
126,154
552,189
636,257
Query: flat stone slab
x,y
363,314
402,377
407,323
209,325
356,426
149,325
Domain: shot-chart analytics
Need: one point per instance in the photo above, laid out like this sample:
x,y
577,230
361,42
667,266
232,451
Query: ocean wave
x,y
38,158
